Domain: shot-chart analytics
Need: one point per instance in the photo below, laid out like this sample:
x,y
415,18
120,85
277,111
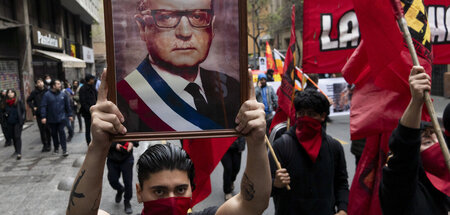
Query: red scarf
x,y
434,164
309,134
167,206
11,102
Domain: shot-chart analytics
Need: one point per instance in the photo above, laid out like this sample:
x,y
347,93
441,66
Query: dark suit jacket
x,y
222,93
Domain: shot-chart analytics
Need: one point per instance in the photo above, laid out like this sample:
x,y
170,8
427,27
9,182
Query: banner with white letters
x,y
331,33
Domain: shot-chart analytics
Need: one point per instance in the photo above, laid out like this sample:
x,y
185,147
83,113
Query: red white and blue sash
x,y
157,105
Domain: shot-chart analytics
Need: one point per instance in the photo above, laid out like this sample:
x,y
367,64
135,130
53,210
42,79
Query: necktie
x,y
199,100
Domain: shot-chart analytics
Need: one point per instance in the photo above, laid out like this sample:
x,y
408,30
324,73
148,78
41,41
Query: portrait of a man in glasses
x,y
169,90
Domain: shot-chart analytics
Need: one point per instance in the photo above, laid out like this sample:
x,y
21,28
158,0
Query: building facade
x,y
39,37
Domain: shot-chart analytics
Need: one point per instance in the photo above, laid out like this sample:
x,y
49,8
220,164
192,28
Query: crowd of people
x,y
314,179
55,105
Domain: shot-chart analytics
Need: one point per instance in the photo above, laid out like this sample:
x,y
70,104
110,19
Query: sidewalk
x,y
30,185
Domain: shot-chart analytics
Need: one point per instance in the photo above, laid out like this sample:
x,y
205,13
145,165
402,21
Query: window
x,y
7,9
47,15
87,40
33,12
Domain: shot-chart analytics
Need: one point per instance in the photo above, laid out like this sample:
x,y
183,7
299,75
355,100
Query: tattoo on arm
x,y
75,194
96,204
248,188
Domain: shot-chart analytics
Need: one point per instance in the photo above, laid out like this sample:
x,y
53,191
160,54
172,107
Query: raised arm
x,y
87,188
419,81
400,175
256,182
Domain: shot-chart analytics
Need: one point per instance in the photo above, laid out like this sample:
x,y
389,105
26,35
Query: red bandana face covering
x,y
434,165
167,206
309,134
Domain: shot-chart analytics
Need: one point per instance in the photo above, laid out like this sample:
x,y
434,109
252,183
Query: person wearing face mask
x,y
34,101
47,81
165,172
415,179
314,163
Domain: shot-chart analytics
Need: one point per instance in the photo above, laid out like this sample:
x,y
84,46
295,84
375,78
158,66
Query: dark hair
x,y
88,77
314,77
15,94
47,76
311,99
164,157
446,117
39,79
53,82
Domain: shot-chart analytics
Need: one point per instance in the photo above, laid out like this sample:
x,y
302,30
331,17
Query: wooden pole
x,y
407,36
282,56
275,158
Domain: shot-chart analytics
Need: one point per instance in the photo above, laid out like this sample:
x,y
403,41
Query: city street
x,y
40,182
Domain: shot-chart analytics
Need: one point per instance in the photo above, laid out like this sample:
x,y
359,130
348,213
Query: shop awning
x,y
7,24
67,60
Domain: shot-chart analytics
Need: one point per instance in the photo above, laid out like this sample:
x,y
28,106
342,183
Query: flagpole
x,y
272,152
398,10
282,56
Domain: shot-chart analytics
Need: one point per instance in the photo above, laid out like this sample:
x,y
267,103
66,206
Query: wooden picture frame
x,y
145,83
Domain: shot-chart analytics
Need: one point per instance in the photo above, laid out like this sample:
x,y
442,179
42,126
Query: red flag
x,y
284,92
269,57
330,35
205,154
380,68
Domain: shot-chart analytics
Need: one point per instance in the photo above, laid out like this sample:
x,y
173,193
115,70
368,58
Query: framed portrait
x,y
177,69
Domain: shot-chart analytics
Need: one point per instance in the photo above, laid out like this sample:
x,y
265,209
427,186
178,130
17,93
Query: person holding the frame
x,y
166,172
169,91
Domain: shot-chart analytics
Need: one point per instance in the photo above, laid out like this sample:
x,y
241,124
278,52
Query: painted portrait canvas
x,y
180,65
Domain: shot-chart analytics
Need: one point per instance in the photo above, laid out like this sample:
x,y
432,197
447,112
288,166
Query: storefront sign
x,y
47,39
88,54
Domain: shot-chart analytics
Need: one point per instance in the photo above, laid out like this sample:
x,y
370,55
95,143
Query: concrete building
x,y
98,39
39,37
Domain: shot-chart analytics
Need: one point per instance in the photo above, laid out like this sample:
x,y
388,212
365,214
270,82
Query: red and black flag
x,y
380,69
287,88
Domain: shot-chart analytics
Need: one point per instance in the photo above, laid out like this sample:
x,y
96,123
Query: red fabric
x,y
10,102
269,57
205,154
137,105
441,49
309,134
379,69
447,133
434,164
284,92
316,59
363,197
167,206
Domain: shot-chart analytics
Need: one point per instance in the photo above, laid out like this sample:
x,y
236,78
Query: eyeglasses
x,y
200,18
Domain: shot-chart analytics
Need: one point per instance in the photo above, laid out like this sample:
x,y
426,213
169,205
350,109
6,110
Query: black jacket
x,y
17,109
122,155
316,188
221,91
404,187
88,98
34,100
2,110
